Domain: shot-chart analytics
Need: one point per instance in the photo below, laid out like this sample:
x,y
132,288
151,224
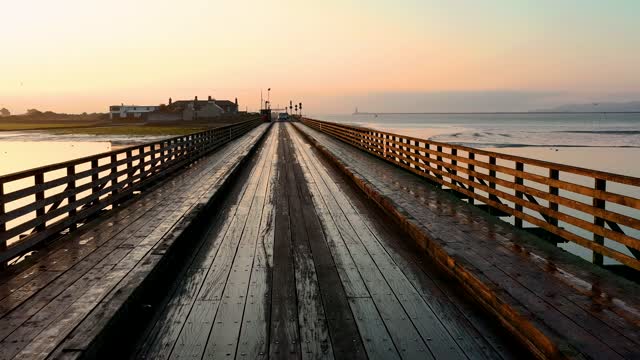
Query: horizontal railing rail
x,y
597,210
40,203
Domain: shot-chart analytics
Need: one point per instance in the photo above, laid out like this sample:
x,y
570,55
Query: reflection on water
x,y
25,151
20,155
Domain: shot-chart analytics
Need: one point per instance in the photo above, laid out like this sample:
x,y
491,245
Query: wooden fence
x,y
38,204
566,202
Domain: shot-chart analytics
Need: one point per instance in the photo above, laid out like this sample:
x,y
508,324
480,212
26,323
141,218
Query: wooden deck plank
x,y
77,309
315,341
404,332
102,234
224,336
192,339
508,261
48,312
345,338
284,333
254,334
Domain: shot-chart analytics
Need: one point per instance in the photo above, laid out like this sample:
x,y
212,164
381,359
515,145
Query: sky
x,y
332,55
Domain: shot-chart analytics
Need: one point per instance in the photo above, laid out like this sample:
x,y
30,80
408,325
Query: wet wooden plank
x,y
82,336
345,338
96,291
401,328
373,331
254,333
52,307
314,333
195,332
284,335
224,337
435,335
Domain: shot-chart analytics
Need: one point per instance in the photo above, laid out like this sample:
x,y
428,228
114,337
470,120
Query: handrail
x,y
61,196
541,193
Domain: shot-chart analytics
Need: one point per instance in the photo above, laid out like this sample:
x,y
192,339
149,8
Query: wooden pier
x,y
287,240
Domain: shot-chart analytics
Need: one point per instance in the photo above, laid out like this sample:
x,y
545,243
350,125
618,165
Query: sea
x,y
608,142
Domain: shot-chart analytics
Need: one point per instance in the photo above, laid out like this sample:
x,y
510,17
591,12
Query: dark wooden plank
x,y
314,333
254,334
135,253
193,336
403,331
284,335
373,331
345,338
224,336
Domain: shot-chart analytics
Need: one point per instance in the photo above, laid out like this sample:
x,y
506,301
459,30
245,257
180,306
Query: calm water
x,y
29,149
608,142
26,150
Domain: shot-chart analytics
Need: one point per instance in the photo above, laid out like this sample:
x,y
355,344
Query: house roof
x,y
225,103
180,105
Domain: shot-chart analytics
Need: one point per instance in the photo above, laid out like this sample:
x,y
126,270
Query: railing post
x,y
384,145
141,164
417,152
492,174
555,175
3,224
454,152
600,185
129,166
94,180
427,163
71,199
40,211
114,175
439,158
472,178
519,181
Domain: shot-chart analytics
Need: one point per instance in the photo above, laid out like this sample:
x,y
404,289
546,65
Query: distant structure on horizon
x,y
181,110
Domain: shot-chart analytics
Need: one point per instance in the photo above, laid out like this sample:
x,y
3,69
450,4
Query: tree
x,y
5,112
34,112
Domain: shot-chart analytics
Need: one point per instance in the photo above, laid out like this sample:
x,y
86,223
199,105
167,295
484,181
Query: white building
x,y
130,111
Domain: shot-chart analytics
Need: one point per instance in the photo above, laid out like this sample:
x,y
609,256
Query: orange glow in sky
x,y
79,55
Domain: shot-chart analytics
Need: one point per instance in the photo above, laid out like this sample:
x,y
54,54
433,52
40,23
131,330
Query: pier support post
x,y
601,185
71,199
3,225
555,175
519,181
472,178
40,211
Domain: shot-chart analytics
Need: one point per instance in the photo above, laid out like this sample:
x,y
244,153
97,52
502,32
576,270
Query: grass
x,y
134,130
8,126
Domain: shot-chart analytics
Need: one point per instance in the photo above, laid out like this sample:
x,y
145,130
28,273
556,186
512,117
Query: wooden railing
x,y
597,210
40,203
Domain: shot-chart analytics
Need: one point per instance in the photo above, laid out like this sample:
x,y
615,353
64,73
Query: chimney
x,y
170,101
236,101
209,97
196,99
